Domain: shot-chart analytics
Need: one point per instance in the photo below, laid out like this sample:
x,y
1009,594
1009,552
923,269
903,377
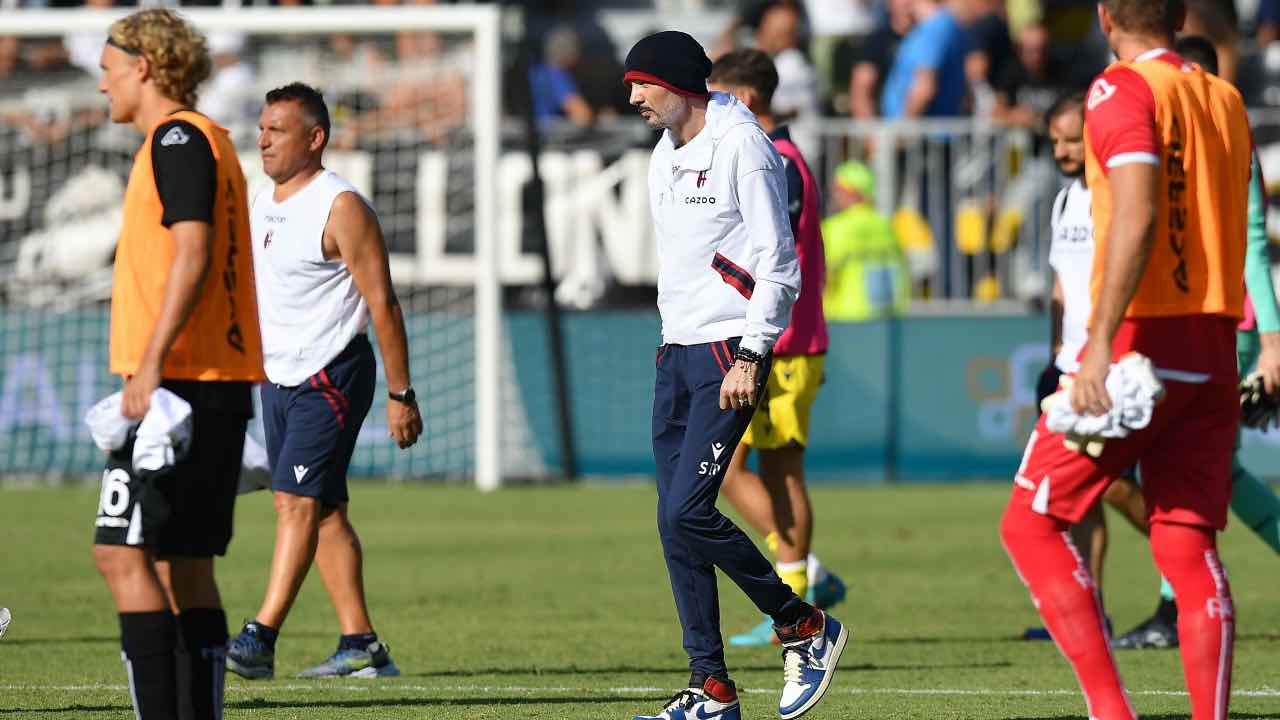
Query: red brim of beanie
x,y
644,77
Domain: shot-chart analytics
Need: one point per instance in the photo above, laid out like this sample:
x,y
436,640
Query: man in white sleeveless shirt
x,y
322,274
1071,257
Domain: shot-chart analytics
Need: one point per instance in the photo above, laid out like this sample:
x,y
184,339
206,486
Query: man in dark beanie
x,y
727,278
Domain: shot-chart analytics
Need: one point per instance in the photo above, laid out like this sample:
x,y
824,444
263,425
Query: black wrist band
x,y
749,356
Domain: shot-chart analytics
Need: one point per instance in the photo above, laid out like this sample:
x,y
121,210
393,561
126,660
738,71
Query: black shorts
x,y
1047,383
185,510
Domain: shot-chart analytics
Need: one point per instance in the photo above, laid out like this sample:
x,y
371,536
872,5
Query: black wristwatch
x,y
408,397
748,356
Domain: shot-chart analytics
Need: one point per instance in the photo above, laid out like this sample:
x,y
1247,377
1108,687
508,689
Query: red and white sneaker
x,y
715,700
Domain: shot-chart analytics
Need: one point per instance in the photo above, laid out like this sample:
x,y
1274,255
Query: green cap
x,y
856,177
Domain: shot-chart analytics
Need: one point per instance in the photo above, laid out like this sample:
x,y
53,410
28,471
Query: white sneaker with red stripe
x,y
714,700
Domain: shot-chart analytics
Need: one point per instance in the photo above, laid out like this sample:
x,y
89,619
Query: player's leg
x,y
125,535
744,490
1160,630
200,658
297,534
340,560
348,381
691,515
766,506
710,692
201,493
1187,485
1252,500
780,504
783,472
301,426
1256,504
692,576
797,380
1090,537
1125,496
1053,488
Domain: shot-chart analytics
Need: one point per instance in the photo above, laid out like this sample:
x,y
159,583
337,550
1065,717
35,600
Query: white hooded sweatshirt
x,y
727,262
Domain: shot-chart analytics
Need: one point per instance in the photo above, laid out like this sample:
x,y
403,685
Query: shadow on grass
x,y
81,640
115,639
29,711
260,704
1165,716
1258,637
910,640
676,670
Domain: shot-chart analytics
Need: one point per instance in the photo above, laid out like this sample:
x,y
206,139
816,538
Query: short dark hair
x,y
1072,100
1198,50
747,68
1151,17
311,100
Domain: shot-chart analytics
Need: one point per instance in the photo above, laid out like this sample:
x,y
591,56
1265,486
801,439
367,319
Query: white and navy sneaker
x,y
811,649
714,700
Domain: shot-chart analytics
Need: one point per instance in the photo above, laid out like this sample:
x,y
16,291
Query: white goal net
x,y
414,94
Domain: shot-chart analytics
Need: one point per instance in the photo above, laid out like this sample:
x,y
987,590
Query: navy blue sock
x,y
265,633
357,642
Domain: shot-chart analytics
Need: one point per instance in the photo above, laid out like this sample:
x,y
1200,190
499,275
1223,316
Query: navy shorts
x,y
312,428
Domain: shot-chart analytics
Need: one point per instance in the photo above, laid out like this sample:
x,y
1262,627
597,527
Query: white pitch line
x,y
523,689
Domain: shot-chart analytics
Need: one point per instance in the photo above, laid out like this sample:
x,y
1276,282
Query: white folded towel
x,y
1134,389
162,438
255,470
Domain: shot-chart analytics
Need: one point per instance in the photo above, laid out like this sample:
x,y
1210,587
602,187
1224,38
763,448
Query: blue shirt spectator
x,y
1268,22
934,49
555,93
552,87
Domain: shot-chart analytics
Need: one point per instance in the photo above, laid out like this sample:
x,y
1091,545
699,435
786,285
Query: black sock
x,y
357,642
265,633
1167,611
204,637
148,640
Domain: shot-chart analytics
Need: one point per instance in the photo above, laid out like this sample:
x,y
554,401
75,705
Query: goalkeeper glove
x,y
1258,409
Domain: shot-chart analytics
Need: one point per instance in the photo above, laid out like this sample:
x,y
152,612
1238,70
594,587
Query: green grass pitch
x,y
554,603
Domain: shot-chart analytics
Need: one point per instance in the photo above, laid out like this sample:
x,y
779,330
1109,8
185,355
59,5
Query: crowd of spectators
x,y
998,59
1001,61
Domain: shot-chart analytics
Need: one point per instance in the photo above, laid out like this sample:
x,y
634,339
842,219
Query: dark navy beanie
x,y
671,59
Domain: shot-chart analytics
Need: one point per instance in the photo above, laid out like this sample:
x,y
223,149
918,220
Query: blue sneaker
x,y
250,656
715,700
757,636
1036,633
810,651
826,593
822,595
1041,633
374,661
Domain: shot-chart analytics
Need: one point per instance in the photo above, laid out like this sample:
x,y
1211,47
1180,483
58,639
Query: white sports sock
x,y
817,573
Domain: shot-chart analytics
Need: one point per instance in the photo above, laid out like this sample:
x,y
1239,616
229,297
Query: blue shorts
x,y
312,428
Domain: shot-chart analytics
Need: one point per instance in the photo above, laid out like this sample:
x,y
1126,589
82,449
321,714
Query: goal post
x,y
429,167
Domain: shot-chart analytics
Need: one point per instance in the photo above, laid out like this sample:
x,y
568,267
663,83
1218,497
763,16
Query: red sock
x,y
1188,557
1064,593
